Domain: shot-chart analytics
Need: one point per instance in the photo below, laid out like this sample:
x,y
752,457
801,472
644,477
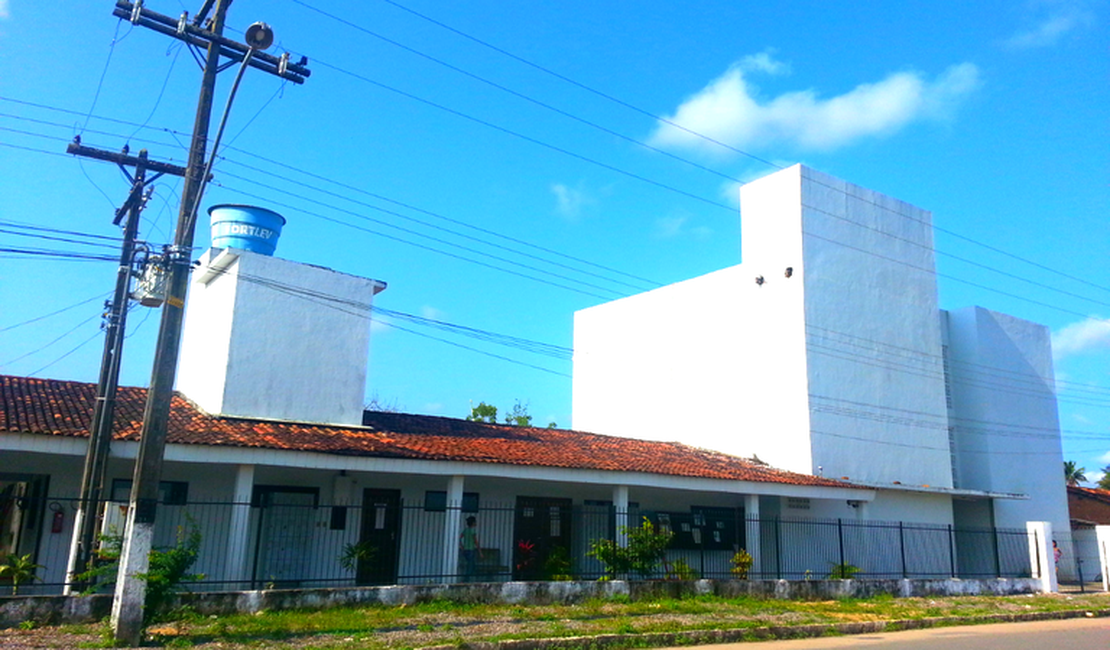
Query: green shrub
x,y
741,564
19,569
843,571
642,555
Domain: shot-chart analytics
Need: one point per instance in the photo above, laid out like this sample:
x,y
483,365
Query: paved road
x,y
1073,634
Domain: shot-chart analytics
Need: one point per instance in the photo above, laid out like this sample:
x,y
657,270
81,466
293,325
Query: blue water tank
x,y
246,227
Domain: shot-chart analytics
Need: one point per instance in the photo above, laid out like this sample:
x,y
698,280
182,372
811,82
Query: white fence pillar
x,y
1102,538
1041,559
620,508
752,534
452,528
238,531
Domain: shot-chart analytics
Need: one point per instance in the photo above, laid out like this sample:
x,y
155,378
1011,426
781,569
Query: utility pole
x,y
127,607
103,415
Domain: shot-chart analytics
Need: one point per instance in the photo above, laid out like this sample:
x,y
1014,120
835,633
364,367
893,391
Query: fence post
x,y
902,547
998,555
1078,563
1040,545
1102,538
263,504
840,542
951,551
778,548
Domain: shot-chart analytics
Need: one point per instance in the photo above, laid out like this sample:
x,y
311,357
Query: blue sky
x,y
501,165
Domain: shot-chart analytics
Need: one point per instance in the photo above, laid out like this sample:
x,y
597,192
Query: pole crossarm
x,y
124,159
183,30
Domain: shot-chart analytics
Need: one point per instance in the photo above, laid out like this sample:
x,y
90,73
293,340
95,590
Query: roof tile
x,y
63,408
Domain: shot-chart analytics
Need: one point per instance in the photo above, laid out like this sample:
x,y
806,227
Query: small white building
x,y
825,352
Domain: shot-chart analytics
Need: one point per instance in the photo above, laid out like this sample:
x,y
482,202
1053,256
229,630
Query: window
x,y
703,528
436,501
170,493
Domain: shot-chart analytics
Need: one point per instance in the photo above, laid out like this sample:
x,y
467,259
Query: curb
x,y
774,632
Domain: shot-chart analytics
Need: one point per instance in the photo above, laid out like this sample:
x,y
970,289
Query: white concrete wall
x,y
877,407
676,364
836,369
1007,428
270,338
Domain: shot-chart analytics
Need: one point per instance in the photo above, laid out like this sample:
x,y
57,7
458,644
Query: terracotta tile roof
x,y
1089,505
63,408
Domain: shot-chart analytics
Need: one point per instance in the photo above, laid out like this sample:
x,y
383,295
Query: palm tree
x,y
1104,482
1074,475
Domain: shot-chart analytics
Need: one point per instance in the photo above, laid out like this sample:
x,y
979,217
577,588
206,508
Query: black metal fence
x,y
1078,567
289,539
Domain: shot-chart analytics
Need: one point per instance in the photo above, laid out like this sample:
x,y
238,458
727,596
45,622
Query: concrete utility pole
x,y
127,607
100,425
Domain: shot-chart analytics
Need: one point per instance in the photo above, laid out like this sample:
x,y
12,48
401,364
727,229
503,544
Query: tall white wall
x,y
836,369
1006,425
679,364
873,340
270,338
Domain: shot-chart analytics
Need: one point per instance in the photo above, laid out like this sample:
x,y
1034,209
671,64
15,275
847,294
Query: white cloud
x,y
729,109
1090,334
1055,19
669,227
679,226
4,13
569,201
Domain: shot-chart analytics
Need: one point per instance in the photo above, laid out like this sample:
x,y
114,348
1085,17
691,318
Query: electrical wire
x,y
414,233
55,313
575,83
519,95
526,138
53,341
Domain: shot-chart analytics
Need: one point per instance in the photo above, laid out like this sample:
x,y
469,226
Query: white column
x,y
1102,538
1041,560
752,534
451,529
238,531
620,509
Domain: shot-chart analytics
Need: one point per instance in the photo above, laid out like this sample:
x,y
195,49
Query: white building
x,y
826,352
269,449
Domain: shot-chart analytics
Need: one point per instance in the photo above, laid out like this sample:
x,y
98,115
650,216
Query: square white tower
x,y
274,339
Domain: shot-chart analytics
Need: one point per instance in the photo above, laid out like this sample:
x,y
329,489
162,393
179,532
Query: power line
x,y
526,138
520,95
407,206
52,342
414,244
435,227
55,313
577,84
839,189
409,231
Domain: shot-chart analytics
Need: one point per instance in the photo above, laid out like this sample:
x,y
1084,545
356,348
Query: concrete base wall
x,y
86,609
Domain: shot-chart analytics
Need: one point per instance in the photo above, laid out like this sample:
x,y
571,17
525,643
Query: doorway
x,y
381,534
543,532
